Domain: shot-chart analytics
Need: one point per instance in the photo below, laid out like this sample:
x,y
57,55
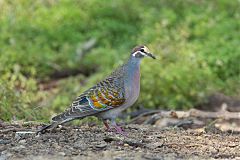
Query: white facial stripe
x,y
142,53
134,54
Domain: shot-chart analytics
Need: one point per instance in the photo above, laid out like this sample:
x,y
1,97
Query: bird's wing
x,y
106,95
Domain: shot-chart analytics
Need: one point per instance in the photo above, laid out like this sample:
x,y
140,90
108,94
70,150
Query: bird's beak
x,y
150,55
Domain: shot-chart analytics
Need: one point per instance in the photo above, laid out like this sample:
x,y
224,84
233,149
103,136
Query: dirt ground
x,y
142,142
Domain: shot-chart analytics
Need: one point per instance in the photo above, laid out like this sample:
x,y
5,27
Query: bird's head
x,y
141,51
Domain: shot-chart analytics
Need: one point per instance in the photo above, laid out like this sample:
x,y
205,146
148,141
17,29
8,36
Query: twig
x,y
222,114
85,48
144,114
10,130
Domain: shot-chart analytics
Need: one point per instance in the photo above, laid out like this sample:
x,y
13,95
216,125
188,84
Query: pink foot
x,y
116,128
120,131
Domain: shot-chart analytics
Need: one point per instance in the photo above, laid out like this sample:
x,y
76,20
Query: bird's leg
x,y
105,122
117,128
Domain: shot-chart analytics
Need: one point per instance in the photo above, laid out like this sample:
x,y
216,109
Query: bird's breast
x,y
133,88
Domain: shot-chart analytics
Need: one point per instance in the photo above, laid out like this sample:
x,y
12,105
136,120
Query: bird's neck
x,y
134,63
133,68
132,80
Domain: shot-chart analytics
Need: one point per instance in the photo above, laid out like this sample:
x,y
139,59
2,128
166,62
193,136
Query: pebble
x,y
22,141
61,153
101,145
138,148
55,145
126,145
154,145
80,145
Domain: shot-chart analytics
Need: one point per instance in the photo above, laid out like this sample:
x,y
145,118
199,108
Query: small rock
x,y
80,145
102,145
232,145
63,139
61,153
138,149
55,145
74,153
22,141
154,145
126,145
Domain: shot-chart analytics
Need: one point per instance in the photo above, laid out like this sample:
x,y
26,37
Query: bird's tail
x,y
47,127
70,114
53,125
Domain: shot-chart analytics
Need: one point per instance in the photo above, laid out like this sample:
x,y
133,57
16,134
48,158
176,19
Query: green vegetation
x,y
196,42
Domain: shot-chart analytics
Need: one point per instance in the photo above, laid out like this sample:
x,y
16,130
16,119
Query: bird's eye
x,y
142,50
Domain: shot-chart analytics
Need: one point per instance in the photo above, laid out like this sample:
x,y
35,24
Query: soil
x,y
142,142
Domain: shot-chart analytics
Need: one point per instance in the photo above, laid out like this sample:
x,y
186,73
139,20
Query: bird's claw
x,y
118,130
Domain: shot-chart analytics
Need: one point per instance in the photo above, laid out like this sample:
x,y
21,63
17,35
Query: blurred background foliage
x,y
196,42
